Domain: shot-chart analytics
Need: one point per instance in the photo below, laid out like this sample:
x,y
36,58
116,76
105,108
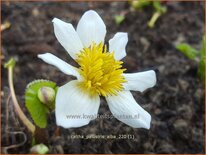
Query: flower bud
x,y
39,149
46,95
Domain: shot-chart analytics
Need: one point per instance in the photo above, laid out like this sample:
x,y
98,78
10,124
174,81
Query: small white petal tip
x,y
55,20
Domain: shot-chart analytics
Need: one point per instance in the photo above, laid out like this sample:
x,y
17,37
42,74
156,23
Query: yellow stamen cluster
x,y
101,73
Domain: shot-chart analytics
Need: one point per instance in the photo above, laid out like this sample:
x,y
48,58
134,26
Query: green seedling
x,y
193,54
40,101
159,9
30,126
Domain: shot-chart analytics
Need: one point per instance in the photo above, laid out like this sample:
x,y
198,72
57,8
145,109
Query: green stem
x,y
154,18
20,113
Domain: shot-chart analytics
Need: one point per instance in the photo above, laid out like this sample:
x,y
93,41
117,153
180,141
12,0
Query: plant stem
x,y
154,18
20,113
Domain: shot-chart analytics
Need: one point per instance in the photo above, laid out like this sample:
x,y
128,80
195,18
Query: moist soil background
x,y
176,103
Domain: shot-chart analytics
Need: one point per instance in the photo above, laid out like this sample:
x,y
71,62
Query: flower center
x,y
101,73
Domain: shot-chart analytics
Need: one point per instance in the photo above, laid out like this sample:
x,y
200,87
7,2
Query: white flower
x,y
100,73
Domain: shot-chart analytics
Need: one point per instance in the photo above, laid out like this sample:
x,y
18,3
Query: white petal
x,y
67,36
125,108
60,64
75,108
118,44
91,28
140,81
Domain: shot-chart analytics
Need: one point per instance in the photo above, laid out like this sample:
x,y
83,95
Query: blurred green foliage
x,y
157,5
187,50
201,68
195,55
139,4
119,19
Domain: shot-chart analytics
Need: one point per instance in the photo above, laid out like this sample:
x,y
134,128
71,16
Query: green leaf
x,y
37,110
187,50
119,19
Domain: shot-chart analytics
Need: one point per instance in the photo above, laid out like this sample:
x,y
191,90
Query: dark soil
x,y
176,103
